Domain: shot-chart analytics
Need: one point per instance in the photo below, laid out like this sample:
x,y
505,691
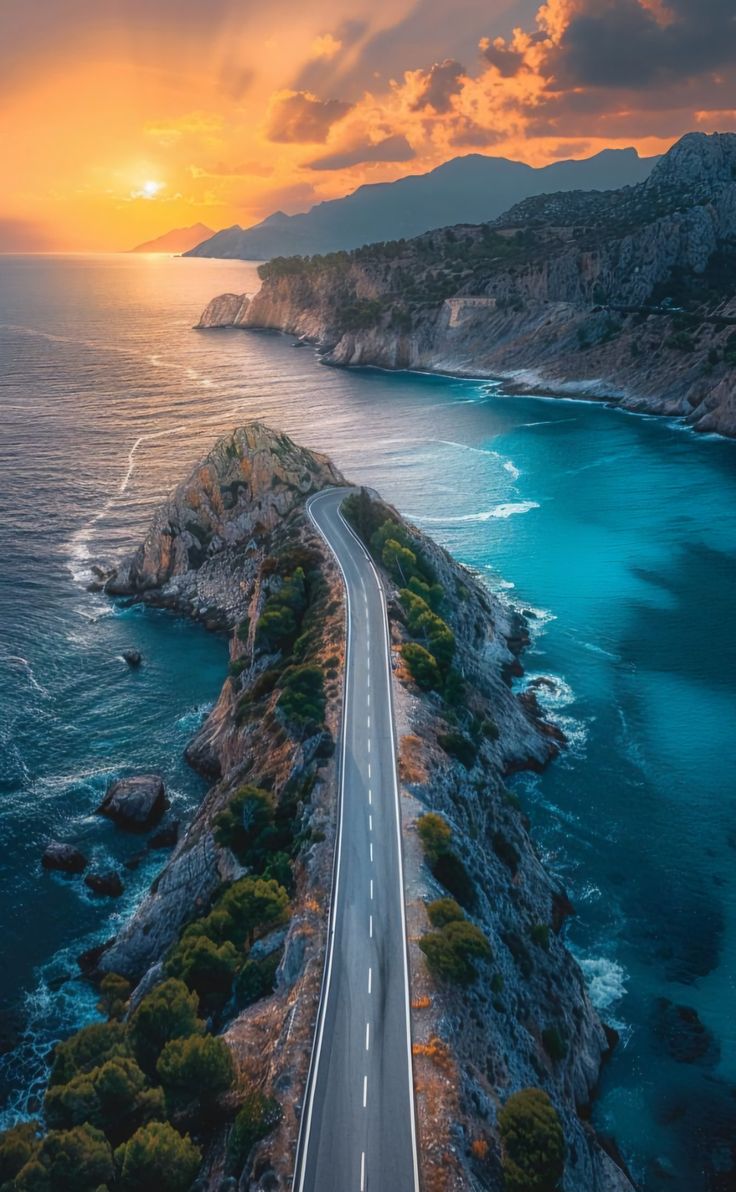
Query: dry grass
x,y
412,767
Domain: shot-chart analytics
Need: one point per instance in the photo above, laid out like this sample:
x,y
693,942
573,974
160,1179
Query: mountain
x,y
469,189
627,295
177,240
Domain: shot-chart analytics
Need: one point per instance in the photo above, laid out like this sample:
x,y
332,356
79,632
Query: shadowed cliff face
x,y
626,295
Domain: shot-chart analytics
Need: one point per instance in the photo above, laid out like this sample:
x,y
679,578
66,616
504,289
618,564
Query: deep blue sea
x,y
617,533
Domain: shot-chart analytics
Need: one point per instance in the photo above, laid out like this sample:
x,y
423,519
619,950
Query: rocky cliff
x,y
626,295
233,545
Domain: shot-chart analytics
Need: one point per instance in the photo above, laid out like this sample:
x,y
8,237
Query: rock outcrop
x,y
627,295
135,803
471,1050
63,857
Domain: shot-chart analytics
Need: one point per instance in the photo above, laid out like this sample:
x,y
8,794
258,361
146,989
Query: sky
x,y
121,119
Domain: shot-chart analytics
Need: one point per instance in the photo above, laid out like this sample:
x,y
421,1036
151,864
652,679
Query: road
x,y
358,1130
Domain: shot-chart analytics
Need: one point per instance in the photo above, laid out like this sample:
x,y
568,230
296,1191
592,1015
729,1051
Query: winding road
x,y
358,1131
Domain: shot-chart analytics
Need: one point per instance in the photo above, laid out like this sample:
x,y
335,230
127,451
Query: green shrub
x,y
281,618
443,911
206,967
451,951
540,934
77,1160
168,1012
157,1159
87,1049
459,746
17,1146
256,979
555,1043
116,1098
245,824
257,1117
195,1072
302,701
114,994
422,665
435,834
423,623
533,1145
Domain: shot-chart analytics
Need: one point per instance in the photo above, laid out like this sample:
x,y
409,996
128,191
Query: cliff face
x,y
223,547
627,295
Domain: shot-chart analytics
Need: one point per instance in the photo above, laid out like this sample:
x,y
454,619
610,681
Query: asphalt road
x,y
357,1129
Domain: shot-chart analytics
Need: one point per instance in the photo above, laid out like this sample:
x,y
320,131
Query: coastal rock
x,y
133,657
135,803
106,884
227,310
166,837
682,1034
623,296
64,857
247,484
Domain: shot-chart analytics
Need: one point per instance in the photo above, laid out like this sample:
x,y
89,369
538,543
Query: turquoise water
x,y
618,533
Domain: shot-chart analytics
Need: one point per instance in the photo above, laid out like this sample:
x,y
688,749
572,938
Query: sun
x,y
150,189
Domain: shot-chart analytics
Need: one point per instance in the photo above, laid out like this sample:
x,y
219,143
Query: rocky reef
x,y
234,547
626,296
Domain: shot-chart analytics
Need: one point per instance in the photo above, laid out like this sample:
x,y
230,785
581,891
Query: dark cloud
x,y
442,81
467,134
622,44
302,118
507,61
393,148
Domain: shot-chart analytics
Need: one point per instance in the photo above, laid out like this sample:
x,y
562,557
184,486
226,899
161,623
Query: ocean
x,y
617,533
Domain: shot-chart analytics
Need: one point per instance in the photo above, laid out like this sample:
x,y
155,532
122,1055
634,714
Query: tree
x,y
195,1072
435,834
115,1098
87,1049
77,1160
450,952
114,994
399,561
17,1147
422,665
245,822
168,1012
205,966
253,905
533,1145
157,1159
443,911
256,1118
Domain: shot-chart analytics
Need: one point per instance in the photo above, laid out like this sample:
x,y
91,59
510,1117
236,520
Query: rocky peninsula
x,y
231,935
625,296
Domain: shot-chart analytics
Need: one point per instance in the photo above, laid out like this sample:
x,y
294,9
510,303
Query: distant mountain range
x,y
471,189
177,240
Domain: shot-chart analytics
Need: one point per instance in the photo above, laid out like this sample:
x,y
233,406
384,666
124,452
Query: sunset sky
x,y
121,119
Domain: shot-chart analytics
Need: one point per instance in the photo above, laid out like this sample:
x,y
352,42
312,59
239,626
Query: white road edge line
x,y
305,1121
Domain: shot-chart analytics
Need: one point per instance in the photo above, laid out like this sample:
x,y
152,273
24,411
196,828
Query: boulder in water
x,y
64,857
135,803
133,657
107,884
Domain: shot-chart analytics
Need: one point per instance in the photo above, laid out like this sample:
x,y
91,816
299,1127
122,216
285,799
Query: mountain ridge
x,y
178,240
625,296
473,188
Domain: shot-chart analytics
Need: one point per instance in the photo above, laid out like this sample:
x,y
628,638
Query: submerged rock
x,y
684,1037
135,803
63,857
107,884
166,837
133,657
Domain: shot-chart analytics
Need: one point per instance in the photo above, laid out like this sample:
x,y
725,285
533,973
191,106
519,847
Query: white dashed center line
x,y
362,1171
365,1091
367,1036
370,979
370,927
371,889
371,847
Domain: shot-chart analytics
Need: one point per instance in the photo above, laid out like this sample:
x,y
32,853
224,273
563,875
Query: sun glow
x,y
148,189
